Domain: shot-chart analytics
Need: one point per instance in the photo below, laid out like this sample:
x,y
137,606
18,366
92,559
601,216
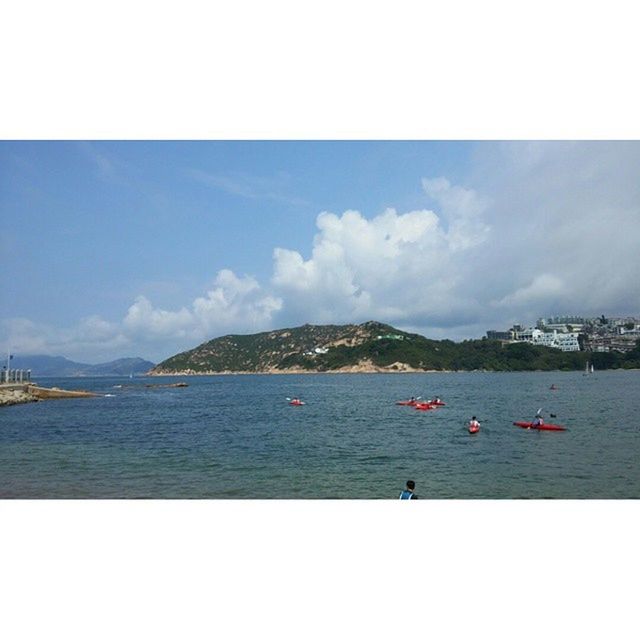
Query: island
x,y
371,347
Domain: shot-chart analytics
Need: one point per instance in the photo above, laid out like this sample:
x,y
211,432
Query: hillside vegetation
x,y
373,346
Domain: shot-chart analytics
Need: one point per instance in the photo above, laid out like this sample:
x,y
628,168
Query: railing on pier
x,y
15,375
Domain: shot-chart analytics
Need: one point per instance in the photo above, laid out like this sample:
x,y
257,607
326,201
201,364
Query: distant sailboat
x,y
588,368
591,370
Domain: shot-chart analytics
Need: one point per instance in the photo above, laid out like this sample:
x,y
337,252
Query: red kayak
x,y
474,429
424,406
407,403
297,403
437,403
540,427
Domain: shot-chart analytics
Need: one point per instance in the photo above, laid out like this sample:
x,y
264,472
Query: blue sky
x,y
163,217
115,249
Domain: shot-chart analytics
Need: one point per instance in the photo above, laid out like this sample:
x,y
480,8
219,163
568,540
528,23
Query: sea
x,y
237,437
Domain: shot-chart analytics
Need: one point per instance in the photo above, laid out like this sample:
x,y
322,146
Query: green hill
x,y
373,346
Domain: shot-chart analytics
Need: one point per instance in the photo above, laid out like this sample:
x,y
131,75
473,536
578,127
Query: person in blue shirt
x,y
408,494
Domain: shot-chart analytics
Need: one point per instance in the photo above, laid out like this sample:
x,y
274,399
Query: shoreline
x,y
12,394
189,372
15,394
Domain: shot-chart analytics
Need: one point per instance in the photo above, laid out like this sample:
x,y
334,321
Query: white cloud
x,y
394,267
142,318
26,336
462,209
566,211
91,337
554,229
233,304
543,288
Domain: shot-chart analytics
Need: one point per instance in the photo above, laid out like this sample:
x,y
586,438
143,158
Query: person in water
x,y
474,424
408,494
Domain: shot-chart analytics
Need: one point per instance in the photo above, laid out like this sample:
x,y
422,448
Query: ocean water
x,y
231,437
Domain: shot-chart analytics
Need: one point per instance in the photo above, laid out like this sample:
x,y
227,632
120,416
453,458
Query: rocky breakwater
x,y
15,394
20,393
43,393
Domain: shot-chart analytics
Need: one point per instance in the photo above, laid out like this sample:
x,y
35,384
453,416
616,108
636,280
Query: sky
x,y
114,249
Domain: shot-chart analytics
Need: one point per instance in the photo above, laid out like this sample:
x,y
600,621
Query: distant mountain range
x,y
57,366
372,347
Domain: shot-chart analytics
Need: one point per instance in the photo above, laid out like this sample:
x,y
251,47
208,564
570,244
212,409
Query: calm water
x,y
237,437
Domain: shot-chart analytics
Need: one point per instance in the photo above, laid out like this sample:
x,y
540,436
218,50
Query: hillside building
x,y
557,340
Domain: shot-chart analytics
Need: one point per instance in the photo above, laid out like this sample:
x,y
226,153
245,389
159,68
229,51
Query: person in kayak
x,y
538,421
408,494
473,424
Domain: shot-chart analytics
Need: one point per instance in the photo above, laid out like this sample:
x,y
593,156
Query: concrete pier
x,y
15,393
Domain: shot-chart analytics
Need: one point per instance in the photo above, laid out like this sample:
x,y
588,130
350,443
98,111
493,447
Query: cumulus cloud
x,y
537,229
143,318
393,267
233,304
554,230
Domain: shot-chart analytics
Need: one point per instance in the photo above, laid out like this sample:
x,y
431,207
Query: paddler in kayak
x,y
474,425
538,421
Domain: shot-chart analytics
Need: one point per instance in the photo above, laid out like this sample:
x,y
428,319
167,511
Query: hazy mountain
x,y
57,366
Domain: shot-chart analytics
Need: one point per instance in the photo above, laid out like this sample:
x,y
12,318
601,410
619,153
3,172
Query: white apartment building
x,y
556,340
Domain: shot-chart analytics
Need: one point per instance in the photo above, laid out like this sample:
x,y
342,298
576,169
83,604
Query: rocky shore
x,y
20,393
363,366
14,394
